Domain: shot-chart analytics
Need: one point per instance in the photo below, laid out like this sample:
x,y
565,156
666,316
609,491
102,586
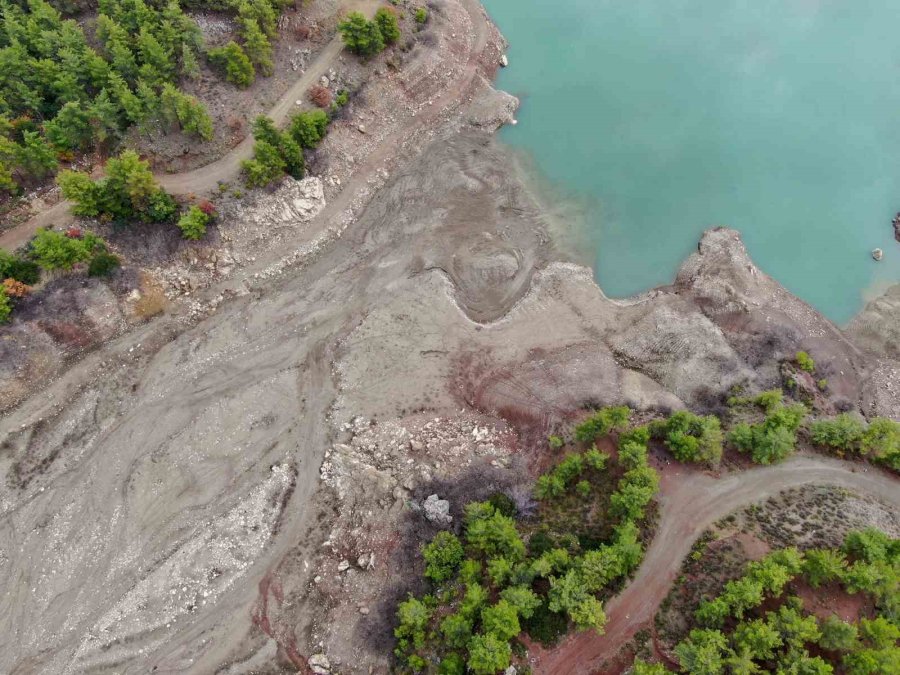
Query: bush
x,y
386,20
55,251
103,264
274,153
421,15
805,362
774,438
5,305
308,128
843,432
234,62
692,438
193,223
18,268
503,504
361,36
602,422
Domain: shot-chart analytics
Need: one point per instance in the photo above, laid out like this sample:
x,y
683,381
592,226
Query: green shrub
x,y
843,432
692,438
421,15
274,153
386,20
361,36
774,438
103,264
442,556
233,61
602,422
452,664
555,442
308,128
5,305
583,488
805,362
18,268
55,251
193,223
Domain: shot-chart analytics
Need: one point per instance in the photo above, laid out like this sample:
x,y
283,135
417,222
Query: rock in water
x,y
504,61
897,227
877,254
437,510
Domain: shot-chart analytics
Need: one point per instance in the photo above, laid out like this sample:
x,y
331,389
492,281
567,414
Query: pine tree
x,y
232,59
257,46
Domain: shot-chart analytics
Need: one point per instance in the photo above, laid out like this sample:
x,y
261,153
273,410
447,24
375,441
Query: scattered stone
x,y
437,510
364,610
343,566
298,102
324,81
363,561
361,129
877,254
510,671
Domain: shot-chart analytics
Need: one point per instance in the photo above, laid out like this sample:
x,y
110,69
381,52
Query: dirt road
x,y
224,169
690,502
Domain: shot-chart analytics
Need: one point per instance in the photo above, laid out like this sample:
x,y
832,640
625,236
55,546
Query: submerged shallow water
x,y
780,118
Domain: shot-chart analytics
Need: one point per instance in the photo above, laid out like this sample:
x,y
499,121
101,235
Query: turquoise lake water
x,y
661,118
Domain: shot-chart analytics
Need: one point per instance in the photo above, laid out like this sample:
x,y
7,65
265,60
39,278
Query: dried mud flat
x,y
236,496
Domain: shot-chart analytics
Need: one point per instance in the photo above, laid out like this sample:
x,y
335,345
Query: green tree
x,y
55,251
758,638
457,630
823,565
488,654
103,264
644,668
837,635
493,534
386,20
501,619
193,223
805,362
187,111
523,599
190,67
703,652
443,554
413,617
308,128
266,166
234,62
71,128
361,36
257,46
35,155
842,433
879,632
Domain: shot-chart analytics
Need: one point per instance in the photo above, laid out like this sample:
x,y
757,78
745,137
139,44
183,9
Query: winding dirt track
x,y
690,502
223,169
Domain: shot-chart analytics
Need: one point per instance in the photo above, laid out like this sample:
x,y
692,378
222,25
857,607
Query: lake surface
x,y
780,118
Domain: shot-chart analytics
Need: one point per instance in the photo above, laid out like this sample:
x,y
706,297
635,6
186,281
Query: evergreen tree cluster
x,y
59,95
278,152
503,577
757,625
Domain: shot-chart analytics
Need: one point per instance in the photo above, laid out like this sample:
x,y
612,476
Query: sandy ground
x,y
171,500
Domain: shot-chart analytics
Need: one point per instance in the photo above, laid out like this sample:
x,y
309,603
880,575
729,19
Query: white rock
x,y
503,60
343,566
877,254
323,81
437,510
319,664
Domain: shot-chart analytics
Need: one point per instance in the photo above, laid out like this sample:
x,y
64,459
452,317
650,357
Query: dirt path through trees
x,y
690,502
